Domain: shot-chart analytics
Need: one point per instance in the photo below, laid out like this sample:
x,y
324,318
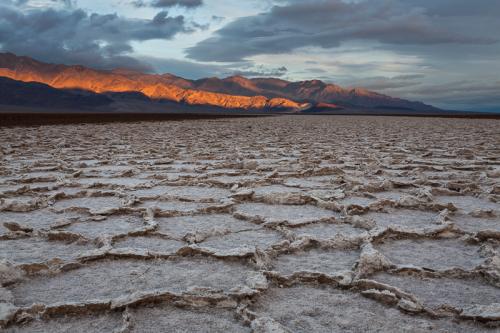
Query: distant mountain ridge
x,y
313,91
236,92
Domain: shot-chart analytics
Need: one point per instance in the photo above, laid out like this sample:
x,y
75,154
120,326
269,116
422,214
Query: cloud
x,y
218,19
462,95
261,71
381,83
168,3
184,68
463,8
34,4
77,37
460,88
315,70
194,70
329,23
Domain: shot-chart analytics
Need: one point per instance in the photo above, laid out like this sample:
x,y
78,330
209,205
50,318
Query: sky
x,y
442,52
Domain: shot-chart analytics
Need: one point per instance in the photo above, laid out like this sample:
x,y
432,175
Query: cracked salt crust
x,y
294,224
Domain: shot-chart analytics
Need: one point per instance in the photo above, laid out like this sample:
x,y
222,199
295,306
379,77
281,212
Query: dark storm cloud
x,y
168,3
328,23
76,37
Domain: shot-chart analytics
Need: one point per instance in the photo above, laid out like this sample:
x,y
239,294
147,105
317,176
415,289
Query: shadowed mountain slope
x,y
34,94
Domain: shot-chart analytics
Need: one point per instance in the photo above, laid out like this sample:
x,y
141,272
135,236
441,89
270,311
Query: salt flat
x,y
274,224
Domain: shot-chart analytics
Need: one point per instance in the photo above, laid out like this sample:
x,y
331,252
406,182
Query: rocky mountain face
x,y
234,92
316,92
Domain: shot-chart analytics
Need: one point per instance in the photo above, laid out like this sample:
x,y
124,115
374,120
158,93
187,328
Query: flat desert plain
x,y
272,224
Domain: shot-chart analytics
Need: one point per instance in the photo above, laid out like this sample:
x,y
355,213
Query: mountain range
x,y
56,85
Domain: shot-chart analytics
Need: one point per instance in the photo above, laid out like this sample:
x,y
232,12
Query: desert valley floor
x,y
272,224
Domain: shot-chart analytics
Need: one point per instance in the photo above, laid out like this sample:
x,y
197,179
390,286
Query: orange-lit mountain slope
x,y
157,87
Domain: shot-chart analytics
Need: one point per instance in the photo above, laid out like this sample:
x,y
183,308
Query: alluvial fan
x,y
274,224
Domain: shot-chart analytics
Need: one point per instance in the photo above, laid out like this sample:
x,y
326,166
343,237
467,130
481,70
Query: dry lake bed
x,y
273,224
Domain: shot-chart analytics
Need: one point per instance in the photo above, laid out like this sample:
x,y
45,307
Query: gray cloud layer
x,y
77,37
168,3
328,23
